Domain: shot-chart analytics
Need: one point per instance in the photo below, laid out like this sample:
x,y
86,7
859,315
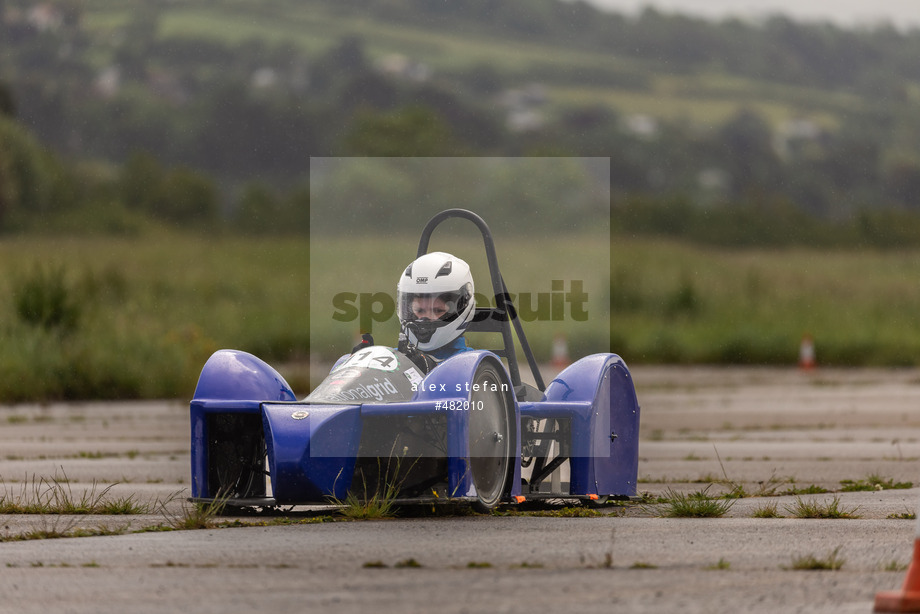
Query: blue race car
x,y
467,431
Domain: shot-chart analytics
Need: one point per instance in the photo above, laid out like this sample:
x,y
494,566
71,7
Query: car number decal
x,y
375,357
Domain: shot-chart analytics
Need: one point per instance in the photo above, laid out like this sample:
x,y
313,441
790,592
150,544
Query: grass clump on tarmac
x,y
376,498
874,482
377,506
55,495
374,565
811,508
694,505
57,528
807,490
195,516
809,562
408,563
767,510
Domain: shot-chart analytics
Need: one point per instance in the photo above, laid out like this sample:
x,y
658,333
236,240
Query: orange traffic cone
x,y
908,598
807,353
560,352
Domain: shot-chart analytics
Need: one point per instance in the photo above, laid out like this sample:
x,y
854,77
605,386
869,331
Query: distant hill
x,y
778,114
669,65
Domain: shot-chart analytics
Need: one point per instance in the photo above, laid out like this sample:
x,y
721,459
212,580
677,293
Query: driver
x,y
435,302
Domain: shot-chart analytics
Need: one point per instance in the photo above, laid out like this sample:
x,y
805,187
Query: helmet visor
x,y
438,308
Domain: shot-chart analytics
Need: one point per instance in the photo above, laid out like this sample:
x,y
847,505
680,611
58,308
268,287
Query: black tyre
x,y
236,456
490,435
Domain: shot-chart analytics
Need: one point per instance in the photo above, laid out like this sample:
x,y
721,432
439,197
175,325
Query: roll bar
x,y
488,319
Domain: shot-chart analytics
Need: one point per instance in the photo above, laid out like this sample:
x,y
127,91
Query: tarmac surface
x,y
779,437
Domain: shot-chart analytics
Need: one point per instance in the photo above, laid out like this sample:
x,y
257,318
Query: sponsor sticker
x,y
414,376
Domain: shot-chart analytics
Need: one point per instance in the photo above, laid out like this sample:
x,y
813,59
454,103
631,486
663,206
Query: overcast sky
x,y
902,13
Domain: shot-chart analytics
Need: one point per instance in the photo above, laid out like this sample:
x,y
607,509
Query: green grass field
x,y
152,309
675,303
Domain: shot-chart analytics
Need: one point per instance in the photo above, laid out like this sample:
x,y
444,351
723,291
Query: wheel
x,y
490,436
236,456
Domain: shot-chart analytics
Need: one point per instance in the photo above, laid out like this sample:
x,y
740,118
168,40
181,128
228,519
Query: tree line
x,y
162,133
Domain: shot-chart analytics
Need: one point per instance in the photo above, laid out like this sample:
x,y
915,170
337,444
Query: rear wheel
x,y
490,436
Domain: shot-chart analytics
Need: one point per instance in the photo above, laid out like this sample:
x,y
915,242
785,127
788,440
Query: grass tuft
x,y
809,562
874,482
894,566
123,506
56,495
410,562
811,508
719,565
374,565
694,505
57,526
767,510
378,500
193,515
377,506
807,490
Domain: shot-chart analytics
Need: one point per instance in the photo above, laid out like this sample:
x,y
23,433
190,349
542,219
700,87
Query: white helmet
x,y
434,299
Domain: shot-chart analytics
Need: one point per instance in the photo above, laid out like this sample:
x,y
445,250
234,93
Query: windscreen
x,y
373,375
